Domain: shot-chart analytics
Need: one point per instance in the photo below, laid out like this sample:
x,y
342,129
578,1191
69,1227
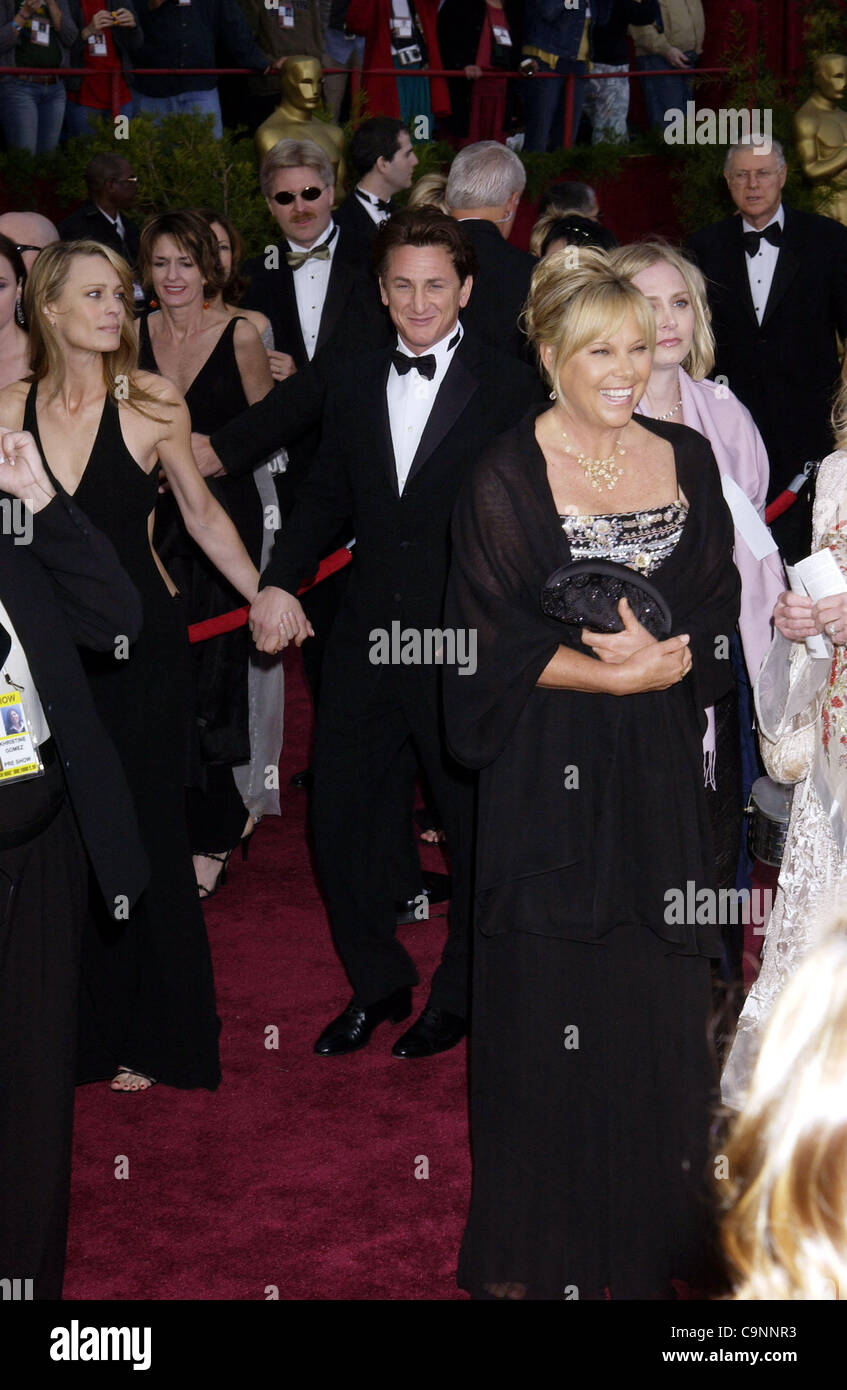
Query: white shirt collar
x,y
779,216
440,350
327,231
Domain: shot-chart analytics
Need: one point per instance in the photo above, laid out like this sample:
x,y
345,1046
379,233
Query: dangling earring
x,y
19,313
205,303
154,303
554,395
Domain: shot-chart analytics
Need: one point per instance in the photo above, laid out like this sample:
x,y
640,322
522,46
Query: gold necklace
x,y
599,472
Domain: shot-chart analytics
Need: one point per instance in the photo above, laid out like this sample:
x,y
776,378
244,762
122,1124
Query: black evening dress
x,y
216,812
148,997
592,1074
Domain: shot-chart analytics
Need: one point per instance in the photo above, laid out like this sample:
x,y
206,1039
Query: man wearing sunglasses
x,y
30,232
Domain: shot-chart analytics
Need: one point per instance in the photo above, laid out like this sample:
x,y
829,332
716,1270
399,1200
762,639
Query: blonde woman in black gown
x,y
591,1071
104,429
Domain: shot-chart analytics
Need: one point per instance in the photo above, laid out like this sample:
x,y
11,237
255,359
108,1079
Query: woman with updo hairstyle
x,y
679,390
592,1075
219,363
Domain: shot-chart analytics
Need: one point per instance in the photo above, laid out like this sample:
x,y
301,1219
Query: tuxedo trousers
x,y
367,720
43,900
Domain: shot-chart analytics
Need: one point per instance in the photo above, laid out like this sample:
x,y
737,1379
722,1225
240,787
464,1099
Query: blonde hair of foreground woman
x,y
785,1231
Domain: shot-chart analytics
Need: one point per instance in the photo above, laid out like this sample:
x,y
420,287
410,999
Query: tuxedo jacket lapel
x,y
337,291
293,344
787,266
456,390
738,281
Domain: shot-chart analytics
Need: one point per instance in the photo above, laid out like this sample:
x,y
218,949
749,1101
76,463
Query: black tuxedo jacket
x,y
88,223
352,321
358,227
399,569
500,288
786,369
68,588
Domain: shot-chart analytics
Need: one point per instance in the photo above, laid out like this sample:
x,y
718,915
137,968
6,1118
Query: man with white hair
x,y
483,192
778,293
30,232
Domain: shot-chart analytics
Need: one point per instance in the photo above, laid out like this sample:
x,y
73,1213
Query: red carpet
x,y
299,1172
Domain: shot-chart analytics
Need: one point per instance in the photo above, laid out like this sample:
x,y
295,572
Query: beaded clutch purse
x,y
587,592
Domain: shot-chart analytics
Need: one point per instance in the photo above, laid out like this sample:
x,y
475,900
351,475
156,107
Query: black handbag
x,y
586,594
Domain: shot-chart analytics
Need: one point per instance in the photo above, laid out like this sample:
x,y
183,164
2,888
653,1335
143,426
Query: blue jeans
x,y
544,105
31,114
205,103
663,94
84,120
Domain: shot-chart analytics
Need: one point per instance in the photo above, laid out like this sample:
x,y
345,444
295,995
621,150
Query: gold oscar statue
x,y
300,88
820,132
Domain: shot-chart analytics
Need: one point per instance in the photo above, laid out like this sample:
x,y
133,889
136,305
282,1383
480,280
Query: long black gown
x,y
216,813
148,997
592,1076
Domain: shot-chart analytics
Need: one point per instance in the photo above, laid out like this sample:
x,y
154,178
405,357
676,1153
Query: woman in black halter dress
x,y
147,1004
179,257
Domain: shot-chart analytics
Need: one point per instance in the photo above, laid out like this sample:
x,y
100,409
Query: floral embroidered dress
x,y
814,867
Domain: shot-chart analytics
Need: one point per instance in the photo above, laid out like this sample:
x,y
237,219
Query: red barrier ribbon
x,y
237,617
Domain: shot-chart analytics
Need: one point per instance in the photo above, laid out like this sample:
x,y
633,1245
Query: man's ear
x,y
465,291
382,293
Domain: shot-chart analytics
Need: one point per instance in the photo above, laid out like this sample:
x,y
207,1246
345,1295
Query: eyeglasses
x,y
20,249
752,175
311,195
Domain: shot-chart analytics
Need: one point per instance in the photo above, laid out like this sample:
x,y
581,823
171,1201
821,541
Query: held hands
x,y
125,18
276,618
473,70
101,20
676,58
618,646
282,365
22,472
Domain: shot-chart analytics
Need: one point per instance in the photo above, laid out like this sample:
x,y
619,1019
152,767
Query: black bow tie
x,y
752,240
374,202
425,365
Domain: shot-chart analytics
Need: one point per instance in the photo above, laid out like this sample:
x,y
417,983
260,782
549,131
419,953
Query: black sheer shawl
x,y
592,810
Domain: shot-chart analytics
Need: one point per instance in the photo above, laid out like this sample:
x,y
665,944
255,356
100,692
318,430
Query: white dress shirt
x,y
369,201
310,285
16,676
411,398
761,267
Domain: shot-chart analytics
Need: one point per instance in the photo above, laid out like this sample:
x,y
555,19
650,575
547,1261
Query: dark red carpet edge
x,y
299,1173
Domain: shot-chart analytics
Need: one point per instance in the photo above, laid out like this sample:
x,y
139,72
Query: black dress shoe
x,y
352,1029
302,779
435,1031
435,888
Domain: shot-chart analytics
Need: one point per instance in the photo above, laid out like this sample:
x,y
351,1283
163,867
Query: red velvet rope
x,y
237,617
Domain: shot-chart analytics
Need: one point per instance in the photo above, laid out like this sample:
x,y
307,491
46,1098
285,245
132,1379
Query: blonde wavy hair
x,y
541,227
642,255
428,192
785,1228
575,297
44,285
839,410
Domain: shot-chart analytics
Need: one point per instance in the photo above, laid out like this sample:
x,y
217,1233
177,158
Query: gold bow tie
x,y
297,258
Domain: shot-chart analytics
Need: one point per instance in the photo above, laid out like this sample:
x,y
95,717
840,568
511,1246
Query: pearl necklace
x,y
669,413
599,472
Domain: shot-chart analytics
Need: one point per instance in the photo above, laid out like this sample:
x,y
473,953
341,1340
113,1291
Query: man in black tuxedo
x,y
383,159
778,293
64,587
483,191
310,284
112,187
402,426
